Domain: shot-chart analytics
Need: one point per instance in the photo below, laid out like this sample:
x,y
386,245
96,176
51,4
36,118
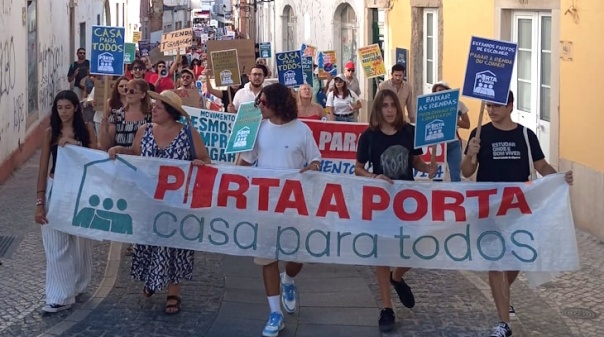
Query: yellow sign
x,y
136,36
174,40
372,61
225,66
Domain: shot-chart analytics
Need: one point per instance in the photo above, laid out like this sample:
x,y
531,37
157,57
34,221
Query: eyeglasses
x,y
257,74
81,53
350,70
337,80
131,91
137,68
260,101
161,67
186,77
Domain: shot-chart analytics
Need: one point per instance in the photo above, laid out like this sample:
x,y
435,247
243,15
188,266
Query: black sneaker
x,y
387,319
502,329
404,292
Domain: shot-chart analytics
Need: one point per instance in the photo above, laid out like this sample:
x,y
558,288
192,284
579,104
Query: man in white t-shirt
x,y
283,142
250,90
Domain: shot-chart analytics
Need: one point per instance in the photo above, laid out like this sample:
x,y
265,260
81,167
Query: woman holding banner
x,y
454,147
166,137
387,145
306,108
68,257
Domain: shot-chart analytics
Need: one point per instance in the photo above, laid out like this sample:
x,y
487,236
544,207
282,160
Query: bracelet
x,y
40,191
39,202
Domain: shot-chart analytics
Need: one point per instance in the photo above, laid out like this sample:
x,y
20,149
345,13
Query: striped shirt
x,y
125,130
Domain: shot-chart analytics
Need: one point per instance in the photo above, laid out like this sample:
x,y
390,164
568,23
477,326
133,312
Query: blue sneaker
x,y
289,296
274,325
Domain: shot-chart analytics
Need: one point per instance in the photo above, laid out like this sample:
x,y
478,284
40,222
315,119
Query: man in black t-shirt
x,y
78,71
502,155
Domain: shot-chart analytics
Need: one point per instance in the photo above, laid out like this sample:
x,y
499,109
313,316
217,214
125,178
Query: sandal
x,y
169,307
148,292
128,251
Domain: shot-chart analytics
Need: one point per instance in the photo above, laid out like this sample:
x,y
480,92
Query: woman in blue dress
x,y
164,267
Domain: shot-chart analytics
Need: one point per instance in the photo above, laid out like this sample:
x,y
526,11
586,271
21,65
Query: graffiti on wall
x,y
8,68
51,64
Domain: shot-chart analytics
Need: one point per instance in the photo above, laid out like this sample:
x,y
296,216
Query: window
x,y
178,25
32,55
348,38
289,27
430,49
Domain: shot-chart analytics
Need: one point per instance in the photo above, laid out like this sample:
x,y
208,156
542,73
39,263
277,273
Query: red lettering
x,y
510,194
440,205
399,205
484,204
167,173
203,189
238,193
292,188
264,185
370,205
333,192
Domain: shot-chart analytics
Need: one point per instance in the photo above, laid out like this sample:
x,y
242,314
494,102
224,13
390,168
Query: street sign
x,y
289,68
489,70
436,118
107,52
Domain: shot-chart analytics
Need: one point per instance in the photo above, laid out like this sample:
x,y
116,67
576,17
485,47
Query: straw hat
x,y
172,99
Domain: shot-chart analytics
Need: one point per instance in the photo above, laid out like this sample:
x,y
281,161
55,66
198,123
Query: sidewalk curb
x,y
111,270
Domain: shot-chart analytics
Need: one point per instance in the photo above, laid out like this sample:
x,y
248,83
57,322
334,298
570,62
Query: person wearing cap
x,y
454,147
349,76
343,103
165,267
402,90
187,81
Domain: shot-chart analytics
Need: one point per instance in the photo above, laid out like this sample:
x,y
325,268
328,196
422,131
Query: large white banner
x,y
314,217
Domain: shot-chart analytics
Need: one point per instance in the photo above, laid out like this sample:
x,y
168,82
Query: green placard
x,y
129,53
245,129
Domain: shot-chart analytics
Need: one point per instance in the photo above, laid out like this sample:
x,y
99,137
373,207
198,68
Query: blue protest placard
x,y
289,68
489,70
265,50
401,58
307,69
107,53
436,118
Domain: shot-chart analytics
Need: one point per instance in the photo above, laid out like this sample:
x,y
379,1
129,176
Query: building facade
x,y
556,54
39,43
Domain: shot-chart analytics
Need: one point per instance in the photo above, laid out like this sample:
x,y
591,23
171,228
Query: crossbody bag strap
x,y
191,143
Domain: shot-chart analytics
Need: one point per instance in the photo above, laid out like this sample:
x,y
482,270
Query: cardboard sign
x,y
245,52
155,55
245,129
326,61
107,52
436,118
225,66
372,61
265,50
172,41
489,70
130,53
289,68
99,89
136,36
190,97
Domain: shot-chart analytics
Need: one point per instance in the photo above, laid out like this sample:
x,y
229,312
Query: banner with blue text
x,y
314,217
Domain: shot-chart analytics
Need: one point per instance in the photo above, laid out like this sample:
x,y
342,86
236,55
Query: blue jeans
x,y
454,159
349,119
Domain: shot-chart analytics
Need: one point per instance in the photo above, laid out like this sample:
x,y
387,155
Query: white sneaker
x,y
289,296
274,325
512,312
55,307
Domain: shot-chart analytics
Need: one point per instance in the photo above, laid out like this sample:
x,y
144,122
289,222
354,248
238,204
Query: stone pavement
x,y
225,298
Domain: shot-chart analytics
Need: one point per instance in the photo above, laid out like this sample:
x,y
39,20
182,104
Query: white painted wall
x,y
319,29
50,52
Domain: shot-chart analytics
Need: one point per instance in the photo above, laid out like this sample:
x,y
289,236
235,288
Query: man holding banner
x,y
283,142
506,152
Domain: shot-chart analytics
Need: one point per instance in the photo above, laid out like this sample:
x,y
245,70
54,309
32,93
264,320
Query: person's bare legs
x,y
500,282
292,269
270,275
399,272
383,277
172,305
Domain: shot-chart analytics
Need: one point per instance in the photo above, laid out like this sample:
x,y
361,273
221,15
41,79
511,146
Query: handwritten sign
x,y
436,118
489,70
372,61
179,39
107,52
225,65
289,68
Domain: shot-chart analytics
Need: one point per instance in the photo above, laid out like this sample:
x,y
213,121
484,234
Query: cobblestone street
x,y
226,296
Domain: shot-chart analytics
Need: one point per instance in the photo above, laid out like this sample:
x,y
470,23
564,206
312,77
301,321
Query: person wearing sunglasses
x,y
343,104
139,72
187,81
352,83
505,151
402,90
283,142
78,71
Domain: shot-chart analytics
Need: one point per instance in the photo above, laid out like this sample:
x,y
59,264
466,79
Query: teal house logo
x,y
108,215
